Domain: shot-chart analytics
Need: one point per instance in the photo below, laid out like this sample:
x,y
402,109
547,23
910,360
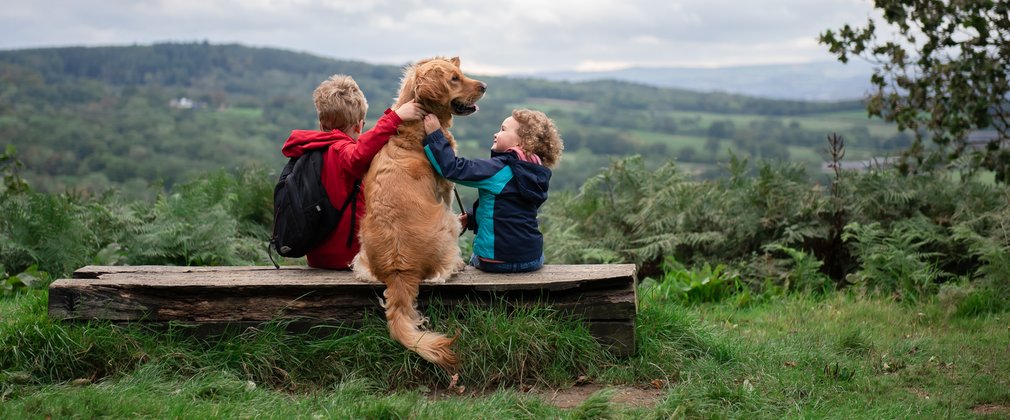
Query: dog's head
x,y
440,87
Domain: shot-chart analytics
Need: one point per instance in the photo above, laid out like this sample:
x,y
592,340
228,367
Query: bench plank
x,y
552,277
602,295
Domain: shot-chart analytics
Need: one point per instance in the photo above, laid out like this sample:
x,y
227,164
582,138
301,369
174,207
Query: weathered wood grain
x,y
603,295
552,277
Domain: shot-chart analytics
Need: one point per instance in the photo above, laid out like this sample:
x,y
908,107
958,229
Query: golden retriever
x,y
409,233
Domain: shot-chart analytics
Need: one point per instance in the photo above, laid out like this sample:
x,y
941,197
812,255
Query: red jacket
x,y
345,161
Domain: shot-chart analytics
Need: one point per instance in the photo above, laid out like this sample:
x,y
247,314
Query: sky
x,y
491,37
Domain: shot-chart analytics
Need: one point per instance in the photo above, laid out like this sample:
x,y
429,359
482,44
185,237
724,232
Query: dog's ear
x,y
431,84
454,61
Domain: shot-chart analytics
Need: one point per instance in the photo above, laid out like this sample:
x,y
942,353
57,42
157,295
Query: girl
x,y
511,187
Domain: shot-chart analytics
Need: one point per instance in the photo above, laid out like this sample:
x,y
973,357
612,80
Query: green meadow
x,y
802,356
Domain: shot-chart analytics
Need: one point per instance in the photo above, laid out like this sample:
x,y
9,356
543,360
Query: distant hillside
x,y
821,81
242,73
127,116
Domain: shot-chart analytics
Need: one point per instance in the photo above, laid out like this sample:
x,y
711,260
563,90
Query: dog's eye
x,y
455,78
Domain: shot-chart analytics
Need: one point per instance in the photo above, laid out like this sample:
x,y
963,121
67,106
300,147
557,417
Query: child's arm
x,y
490,174
358,155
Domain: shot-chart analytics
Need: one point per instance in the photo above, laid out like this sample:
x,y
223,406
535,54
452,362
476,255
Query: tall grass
x,y
503,348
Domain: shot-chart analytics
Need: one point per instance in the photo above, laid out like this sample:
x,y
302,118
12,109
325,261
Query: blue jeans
x,y
507,267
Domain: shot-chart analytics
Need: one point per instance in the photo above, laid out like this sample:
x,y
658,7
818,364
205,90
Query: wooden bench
x,y
213,298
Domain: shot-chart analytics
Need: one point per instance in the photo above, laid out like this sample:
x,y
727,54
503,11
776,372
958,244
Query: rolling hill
x,y
817,81
92,118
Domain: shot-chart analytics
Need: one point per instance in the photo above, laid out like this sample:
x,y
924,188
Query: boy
x,y
341,108
511,186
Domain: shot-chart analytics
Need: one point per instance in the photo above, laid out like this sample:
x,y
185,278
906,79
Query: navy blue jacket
x,y
509,191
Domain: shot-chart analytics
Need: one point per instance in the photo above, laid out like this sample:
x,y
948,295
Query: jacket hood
x,y
531,179
301,141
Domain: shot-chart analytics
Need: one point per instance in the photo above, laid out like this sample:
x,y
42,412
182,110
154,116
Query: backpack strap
x,y
352,200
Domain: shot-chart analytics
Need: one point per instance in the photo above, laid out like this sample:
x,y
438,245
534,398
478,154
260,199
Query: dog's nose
x,y
482,87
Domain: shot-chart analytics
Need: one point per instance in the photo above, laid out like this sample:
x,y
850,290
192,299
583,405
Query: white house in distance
x,y
182,103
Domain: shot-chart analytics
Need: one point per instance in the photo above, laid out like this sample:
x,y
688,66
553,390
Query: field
x,y
115,126
836,356
689,144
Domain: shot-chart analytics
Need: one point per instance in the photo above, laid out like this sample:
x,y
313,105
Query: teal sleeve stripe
x,y
494,184
483,242
431,159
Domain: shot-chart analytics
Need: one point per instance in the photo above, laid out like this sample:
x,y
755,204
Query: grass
x,y
842,356
672,141
675,142
236,111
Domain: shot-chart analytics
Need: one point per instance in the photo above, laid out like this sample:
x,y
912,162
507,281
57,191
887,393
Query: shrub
x,y
894,234
893,261
707,283
49,231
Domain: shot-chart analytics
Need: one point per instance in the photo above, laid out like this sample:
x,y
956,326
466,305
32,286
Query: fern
x,y
48,231
987,238
642,215
893,260
194,226
805,271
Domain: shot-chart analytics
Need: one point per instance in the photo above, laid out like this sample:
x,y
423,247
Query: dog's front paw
x,y
437,280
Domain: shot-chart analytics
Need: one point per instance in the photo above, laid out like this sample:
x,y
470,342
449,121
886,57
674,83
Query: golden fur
x,y
409,233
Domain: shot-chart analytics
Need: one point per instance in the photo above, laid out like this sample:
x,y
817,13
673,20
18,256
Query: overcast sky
x,y
491,37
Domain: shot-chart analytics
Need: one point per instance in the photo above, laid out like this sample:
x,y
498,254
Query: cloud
x,y
493,36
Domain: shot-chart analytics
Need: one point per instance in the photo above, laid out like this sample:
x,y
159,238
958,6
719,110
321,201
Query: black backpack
x,y
303,214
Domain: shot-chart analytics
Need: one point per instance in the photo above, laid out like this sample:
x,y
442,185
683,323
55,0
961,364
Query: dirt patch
x,y
985,409
642,396
623,395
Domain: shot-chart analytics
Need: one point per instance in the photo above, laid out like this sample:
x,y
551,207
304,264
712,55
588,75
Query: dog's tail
x,y
404,322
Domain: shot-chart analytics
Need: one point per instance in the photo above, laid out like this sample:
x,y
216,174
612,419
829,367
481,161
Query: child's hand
x,y
462,220
410,111
431,124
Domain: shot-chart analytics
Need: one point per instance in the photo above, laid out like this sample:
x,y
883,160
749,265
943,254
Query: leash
x,y
460,204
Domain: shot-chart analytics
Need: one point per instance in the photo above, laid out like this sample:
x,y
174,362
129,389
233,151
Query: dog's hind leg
x,y
449,262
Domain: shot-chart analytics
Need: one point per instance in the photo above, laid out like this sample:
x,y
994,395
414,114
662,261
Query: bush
x,y
894,234
893,261
48,231
216,220
707,283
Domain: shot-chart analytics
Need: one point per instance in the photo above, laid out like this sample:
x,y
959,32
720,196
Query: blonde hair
x,y
537,134
339,103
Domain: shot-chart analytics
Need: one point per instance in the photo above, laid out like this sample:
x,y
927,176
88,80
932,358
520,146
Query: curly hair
x,y
537,134
339,103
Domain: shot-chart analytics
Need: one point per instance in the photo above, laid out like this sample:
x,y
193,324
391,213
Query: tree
x,y
942,72
9,167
